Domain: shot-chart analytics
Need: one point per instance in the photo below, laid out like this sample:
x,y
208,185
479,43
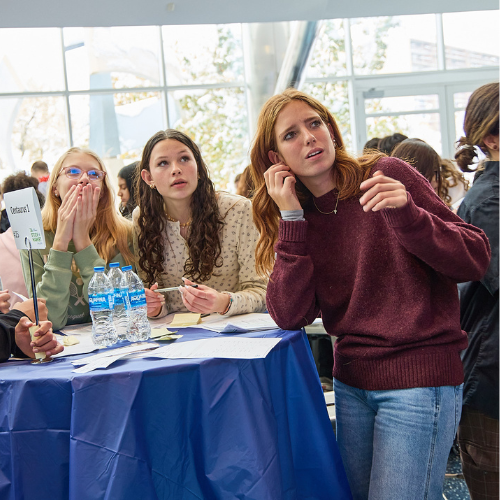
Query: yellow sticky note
x,y
67,340
186,319
170,337
160,332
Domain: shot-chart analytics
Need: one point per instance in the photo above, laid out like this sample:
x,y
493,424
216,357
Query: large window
x,y
409,74
110,89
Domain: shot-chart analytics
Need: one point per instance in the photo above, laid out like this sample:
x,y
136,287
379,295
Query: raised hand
x,y
280,182
382,192
203,299
65,219
86,212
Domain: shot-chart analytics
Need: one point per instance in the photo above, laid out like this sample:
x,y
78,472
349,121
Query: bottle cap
x,y
127,268
114,264
98,268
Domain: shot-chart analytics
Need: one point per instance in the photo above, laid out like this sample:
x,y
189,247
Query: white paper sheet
x,y
218,347
120,352
84,334
99,363
239,324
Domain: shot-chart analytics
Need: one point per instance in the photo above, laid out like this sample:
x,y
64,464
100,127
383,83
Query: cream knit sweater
x,y
237,276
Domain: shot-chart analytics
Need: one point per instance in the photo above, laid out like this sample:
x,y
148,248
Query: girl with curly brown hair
x,y
449,183
185,230
367,244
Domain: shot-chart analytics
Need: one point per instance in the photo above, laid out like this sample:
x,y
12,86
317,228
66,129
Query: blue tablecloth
x,y
170,429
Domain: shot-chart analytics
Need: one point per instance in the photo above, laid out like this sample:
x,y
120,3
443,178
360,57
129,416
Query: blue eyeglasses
x,y
76,173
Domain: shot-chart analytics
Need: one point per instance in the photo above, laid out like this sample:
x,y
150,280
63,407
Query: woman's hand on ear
x,y
66,219
85,216
280,182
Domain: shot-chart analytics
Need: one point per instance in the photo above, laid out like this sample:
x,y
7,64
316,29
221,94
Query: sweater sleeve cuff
x,y
294,231
60,259
403,216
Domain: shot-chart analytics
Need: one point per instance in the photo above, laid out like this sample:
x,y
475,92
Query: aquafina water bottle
x,y
101,309
120,313
138,324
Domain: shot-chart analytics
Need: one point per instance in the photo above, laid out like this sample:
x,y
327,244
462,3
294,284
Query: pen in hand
x,y
172,288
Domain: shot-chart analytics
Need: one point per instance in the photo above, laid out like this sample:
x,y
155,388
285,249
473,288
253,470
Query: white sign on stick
x,y
25,218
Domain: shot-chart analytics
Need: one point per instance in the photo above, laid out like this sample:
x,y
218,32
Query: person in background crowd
x,y
388,143
423,158
371,144
40,171
83,229
369,245
441,174
478,430
245,184
126,189
11,271
184,229
13,183
236,182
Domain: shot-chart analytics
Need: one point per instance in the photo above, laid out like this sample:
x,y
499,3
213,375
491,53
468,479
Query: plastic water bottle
x,y
120,313
138,324
101,309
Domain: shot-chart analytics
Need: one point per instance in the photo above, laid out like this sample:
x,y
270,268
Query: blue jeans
x,y
395,444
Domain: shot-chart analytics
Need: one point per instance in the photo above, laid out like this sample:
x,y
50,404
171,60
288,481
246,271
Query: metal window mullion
x,y
399,113
69,126
350,84
250,129
164,73
441,55
449,151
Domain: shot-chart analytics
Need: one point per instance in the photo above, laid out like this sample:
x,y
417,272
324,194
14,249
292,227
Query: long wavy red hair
x,y
348,171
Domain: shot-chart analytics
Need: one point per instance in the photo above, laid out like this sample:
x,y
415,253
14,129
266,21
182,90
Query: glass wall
x,y
110,89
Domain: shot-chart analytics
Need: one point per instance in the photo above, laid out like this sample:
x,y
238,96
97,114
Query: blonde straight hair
x,y
111,231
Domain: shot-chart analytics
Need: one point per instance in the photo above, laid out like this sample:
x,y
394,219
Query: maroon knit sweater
x,y
384,282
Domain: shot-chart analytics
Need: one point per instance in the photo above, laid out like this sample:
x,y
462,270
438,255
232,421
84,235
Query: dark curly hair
x,y
18,181
204,235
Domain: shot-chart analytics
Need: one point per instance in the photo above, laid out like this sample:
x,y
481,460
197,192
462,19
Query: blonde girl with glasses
x,y
83,229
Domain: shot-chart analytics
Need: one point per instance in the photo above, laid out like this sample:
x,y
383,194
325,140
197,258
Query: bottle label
x,y
100,302
137,298
118,296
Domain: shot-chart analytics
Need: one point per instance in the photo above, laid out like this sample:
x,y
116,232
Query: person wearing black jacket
x,y
15,339
478,434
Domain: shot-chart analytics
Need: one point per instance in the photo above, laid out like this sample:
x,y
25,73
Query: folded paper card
x,y
160,332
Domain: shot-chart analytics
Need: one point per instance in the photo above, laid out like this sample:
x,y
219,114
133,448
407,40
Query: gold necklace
x,y
334,211
185,224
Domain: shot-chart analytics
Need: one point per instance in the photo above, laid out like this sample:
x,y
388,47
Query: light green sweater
x,y
62,279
